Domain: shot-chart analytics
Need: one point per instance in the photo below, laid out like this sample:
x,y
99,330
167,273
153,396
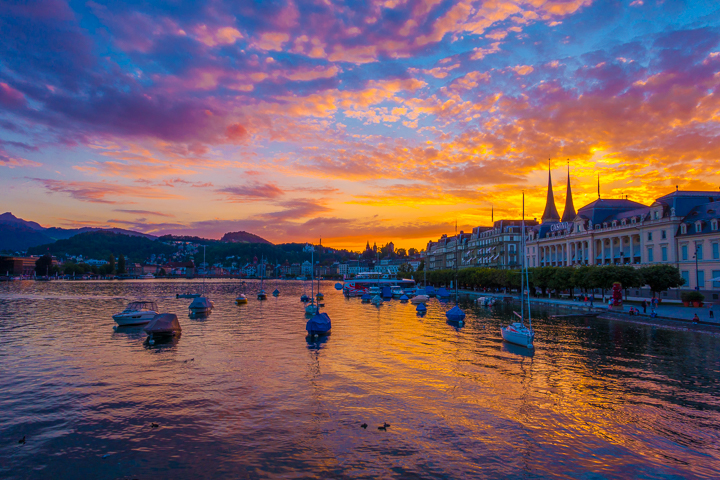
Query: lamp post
x,y
697,271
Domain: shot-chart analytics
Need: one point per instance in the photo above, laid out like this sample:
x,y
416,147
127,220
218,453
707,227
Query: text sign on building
x,y
556,227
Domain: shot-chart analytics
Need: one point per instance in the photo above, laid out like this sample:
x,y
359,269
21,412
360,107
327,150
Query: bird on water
x,y
22,440
364,425
154,425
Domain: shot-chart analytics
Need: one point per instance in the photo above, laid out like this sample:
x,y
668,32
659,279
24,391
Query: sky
x,y
349,121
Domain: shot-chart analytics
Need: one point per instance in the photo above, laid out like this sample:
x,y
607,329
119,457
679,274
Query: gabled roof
x,y
550,214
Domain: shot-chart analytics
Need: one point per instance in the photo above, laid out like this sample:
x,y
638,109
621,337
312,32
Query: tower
x,y
550,214
569,213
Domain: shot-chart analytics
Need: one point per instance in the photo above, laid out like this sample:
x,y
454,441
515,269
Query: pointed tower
x,y
569,213
550,214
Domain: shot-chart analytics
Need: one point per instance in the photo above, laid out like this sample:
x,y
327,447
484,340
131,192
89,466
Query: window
x,y
632,220
656,215
701,279
683,228
663,234
649,236
716,274
714,225
716,251
686,276
698,227
684,251
699,251
614,223
664,254
650,254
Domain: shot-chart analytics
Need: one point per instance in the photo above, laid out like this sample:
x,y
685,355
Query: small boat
x,y
318,325
187,295
519,334
276,292
147,276
201,306
419,299
386,292
404,299
261,295
455,314
304,298
338,286
377,300
443,293
374,290
421,308
136,313
411,291
241,299
163,325
311,309
430,291
366,298
320,296
396,291
486,301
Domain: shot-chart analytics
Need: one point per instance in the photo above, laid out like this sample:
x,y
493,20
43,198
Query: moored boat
x,y
163,325
418,299
136,313
241,299
201,306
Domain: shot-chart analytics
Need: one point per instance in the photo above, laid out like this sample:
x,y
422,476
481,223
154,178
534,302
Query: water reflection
x,y
596,399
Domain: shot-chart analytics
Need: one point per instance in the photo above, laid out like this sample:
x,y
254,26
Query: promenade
x,y
665,311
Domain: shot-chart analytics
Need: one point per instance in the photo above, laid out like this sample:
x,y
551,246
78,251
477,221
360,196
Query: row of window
x,y
700,278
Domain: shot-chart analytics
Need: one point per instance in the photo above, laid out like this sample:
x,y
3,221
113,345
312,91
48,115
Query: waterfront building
x,y
18,265
343,268
306,268
295,269
680,229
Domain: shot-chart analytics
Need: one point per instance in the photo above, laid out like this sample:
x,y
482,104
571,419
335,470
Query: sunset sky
x,y
378,121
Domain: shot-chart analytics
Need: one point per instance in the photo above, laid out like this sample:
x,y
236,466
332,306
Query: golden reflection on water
x,y
243,392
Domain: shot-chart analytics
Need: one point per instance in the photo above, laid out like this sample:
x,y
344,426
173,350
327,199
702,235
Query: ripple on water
x,y
244,393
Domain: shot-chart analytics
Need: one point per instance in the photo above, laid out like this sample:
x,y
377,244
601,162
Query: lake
x,y
243,393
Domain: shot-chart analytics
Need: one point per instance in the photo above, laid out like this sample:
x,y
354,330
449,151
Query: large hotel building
x,y
680,229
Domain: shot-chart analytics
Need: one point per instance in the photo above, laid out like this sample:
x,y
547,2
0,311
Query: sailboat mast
x,y
522,261
457,241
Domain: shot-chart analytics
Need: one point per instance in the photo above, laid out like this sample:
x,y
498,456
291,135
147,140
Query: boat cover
x,y
430,290
404,297
276,292
163,324
338,286
387,292
455,314
421,307
366,296
319,323
200,303
442,292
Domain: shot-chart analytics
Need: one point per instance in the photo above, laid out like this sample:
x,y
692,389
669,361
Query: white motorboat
x,y
375,290
136,313
147,276
201,306
419,299
396,291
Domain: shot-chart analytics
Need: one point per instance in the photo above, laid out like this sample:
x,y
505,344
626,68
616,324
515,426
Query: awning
x,y
716,279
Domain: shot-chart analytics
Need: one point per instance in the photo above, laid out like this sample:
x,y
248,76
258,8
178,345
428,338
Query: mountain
x,y
242,237
17,234
100,244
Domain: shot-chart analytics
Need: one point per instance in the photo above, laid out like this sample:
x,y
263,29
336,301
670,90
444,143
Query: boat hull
x,y
139,318
419,299
518,338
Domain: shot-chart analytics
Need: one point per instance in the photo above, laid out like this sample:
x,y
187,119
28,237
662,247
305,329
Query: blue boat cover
x,y
442,292
430,290
387,293
404,297
338,286
455,314
276,292
421,307
319,323
366,296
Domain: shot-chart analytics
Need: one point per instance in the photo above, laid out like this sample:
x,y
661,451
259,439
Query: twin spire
x,y
551,214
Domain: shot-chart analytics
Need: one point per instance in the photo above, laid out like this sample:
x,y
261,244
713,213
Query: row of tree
x,y
44,266
657,277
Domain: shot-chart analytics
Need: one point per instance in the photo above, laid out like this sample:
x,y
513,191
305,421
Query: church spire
x,y
569,213
550,214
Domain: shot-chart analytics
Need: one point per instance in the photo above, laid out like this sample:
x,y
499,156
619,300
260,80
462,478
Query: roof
x,y
703,213
604,210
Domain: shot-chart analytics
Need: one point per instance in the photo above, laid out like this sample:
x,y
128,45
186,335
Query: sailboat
x,y
201,305
261,295
517,332
456,314
319,324
311,308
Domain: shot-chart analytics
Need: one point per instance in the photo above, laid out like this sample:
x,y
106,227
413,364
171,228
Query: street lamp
x,y
697,272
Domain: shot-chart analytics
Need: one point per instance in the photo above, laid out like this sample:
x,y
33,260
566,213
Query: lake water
x,y
242,394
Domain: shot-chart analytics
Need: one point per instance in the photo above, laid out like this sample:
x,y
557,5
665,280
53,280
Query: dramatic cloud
x,y
380,118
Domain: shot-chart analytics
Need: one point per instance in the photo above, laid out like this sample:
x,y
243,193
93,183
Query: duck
x,y
383,428
154,425
364,425
22,440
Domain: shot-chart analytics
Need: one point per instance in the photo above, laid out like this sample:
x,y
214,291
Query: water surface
x,y
243,393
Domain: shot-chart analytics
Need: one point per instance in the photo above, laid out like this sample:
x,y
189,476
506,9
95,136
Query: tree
x,y
661,277
43,265
412,251
111,263
401,252
121,265
404,269
421,267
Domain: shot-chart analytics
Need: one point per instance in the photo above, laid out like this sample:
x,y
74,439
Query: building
x,y
680,229
343,269
497,246
306,268
295,269
19,265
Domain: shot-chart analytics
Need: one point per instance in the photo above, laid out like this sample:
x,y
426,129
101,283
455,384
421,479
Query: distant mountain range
x,y
17,235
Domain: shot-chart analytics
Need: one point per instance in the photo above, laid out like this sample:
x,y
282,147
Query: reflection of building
x,y
623,232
